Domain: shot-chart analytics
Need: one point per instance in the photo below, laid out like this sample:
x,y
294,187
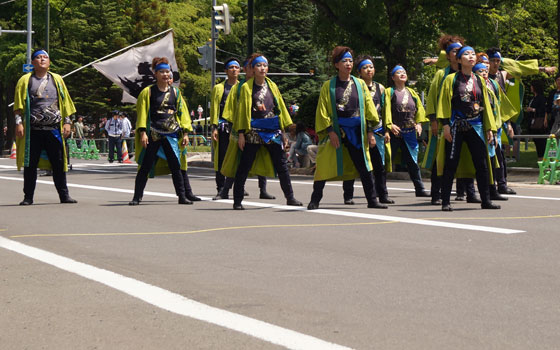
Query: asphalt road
x,y
103,275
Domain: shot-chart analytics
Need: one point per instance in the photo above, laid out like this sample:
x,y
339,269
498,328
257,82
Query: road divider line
x,y
196,231
175,303
318,211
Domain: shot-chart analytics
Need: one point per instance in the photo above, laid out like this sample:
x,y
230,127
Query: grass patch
x,y
201,148
527,158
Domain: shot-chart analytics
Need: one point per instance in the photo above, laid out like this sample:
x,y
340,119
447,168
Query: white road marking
x,y
175,303
319,211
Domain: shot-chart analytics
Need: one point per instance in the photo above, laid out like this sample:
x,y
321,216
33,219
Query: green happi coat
x,y
515,89
143,121
332,163
217,94
420,116
242,121
466,167
431,107
22,101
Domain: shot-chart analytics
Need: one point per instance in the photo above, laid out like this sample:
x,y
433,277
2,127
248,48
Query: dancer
x,y
465,112
260,122
345,120
230,160
380,154
42,110
404,114
162,125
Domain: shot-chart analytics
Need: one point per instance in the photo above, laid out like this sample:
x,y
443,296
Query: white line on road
x,y
318,211
175,303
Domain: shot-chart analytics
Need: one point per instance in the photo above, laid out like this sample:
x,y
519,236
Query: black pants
x,y
44,140
500,176
379,174
465,185
366,176
435,190
148,162
186,183
478,150
115,141
223,142
413,168
248,155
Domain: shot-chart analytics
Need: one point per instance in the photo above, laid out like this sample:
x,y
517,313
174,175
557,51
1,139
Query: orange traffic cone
x,y
125,157
13,154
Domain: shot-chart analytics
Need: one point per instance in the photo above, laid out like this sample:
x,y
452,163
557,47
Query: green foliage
x,y
283,33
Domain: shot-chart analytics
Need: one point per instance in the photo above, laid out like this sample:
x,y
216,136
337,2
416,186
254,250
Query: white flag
x,y
132,71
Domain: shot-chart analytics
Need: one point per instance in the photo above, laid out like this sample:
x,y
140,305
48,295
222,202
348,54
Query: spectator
x,y
200,110
299,149
79,130
199,129
553,108
294,108
101,127
114,129
536,113
127,127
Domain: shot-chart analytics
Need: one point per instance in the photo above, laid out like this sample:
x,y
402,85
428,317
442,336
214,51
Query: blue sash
x,y
380,144
58,136
174,142
409,137
352,128
268,129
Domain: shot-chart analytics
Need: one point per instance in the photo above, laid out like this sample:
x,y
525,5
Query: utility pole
x,y
214,39
29,29
251,28
48,24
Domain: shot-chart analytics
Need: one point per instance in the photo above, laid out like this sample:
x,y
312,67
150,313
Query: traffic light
x,y
206,60
222,18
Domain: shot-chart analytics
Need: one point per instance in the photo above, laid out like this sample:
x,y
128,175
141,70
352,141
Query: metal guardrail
x,y
103,143
527,138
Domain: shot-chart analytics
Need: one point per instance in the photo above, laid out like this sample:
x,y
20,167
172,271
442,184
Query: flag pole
x,y
109,55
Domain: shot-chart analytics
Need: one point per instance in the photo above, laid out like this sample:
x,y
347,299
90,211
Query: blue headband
x,y
232,63
495,55
259,59
40,52
463,50
478,67
346,55
363,63
162,66
396,69
452,46
484,58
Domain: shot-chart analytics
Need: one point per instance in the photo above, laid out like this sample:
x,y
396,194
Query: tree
x,y
284,35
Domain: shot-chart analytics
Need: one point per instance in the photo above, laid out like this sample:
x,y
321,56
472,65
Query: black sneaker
x,y
26,201
386,200
68,200
238,206
294,202
473,200
312,206
490,205
266,195
193,198
349,202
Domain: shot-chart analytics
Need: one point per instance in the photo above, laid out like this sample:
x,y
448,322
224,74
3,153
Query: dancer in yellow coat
x,y
405,114
345,121
260,123
465,111
162,125
42,109
380,154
